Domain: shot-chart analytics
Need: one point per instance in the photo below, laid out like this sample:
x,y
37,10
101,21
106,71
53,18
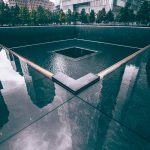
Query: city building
x,y
96,5
20,3
31,4
34,4
57,8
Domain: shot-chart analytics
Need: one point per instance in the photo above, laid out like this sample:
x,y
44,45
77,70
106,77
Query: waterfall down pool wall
x,y
18,36
131,36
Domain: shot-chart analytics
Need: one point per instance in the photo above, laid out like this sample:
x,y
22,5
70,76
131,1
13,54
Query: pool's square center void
x,y
75,52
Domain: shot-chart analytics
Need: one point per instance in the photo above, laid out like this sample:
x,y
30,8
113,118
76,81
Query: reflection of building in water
x,y
123,99
120,101
115,101
18,65
40,89
28,111
15,62
11,59
125,92
128,84
110,88
43,88
4,113
14,94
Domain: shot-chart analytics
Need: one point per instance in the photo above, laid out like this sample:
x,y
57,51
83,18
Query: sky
x,y
55,1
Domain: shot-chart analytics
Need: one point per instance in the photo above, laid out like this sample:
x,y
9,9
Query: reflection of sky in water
x,y
12,81
8,73
59,139
69,126
22,111
14,91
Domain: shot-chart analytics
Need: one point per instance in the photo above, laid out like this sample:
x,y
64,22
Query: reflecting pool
x,y
38,114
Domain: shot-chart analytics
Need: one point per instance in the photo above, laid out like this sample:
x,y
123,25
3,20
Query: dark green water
x,y
106,56
36,113
75,52
29,35
114,110
132,36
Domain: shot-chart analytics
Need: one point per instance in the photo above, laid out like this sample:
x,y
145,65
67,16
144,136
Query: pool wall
x,y
131,36
18,36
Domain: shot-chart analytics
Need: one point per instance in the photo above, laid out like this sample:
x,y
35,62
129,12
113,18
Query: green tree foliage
x,y
121,17
5,15
126,14
41,17
24,15
92,16
109,16
15,11
101,16
49,16
55,17
131,16
143,15
75,17
83,16
62,17
33,17
69,16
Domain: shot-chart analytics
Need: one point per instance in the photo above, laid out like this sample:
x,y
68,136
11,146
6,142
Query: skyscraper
x,y
96,5
31,4
20,3
34,4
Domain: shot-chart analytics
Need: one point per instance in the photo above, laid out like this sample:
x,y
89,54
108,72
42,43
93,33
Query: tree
x,y
110,16
101,16
49,16
143,15
92,16
124,14
69,16
41,17
24,15
55,17
14,12
5,15
33,17
83,16
131,16
75,17
62,17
